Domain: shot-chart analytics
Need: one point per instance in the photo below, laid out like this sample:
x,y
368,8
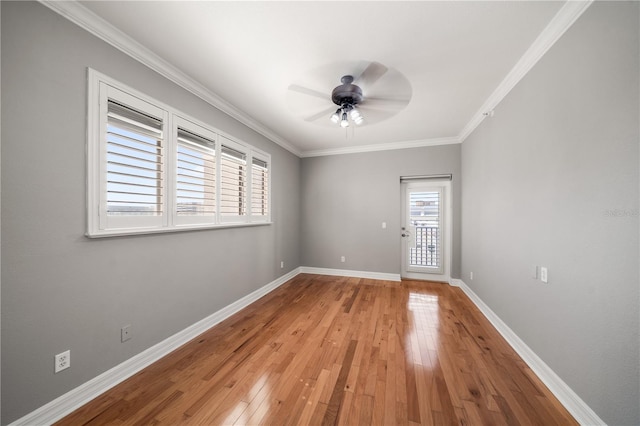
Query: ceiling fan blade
x,y
371,74
325,113
307,91
396,102
376,115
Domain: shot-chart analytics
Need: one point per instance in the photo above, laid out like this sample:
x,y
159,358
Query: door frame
x,y
447,236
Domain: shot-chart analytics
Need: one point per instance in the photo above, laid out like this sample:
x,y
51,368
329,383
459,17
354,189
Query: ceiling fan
x,y
369,96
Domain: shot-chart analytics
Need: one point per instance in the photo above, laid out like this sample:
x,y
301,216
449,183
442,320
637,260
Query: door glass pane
x,y
424,218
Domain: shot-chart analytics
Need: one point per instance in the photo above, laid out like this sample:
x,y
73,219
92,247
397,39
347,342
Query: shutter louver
x,y
134,162
259,187
196,175
233,182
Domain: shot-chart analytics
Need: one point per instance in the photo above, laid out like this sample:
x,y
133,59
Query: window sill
x,y
149,231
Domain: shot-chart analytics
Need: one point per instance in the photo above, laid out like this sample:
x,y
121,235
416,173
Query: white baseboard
x,y
74,399
567,397
350,273
455,282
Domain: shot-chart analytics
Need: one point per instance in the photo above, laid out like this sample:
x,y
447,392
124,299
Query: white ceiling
x,y
455,55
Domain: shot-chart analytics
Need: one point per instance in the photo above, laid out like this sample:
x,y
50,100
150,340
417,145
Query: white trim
x,y
94,24
381,147
175,228
422,276
455,282
0,215
350,273
74,399
567,397
560,23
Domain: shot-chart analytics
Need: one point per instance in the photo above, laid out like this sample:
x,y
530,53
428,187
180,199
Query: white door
x,y
426,232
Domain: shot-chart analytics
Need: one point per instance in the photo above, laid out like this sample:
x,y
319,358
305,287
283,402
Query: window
x,y
196,175
233,182
259,188
134,162
127,162
195,191
150,169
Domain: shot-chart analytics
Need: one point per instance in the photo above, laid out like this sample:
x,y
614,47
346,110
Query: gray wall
x,y
345,199
61,290
552,180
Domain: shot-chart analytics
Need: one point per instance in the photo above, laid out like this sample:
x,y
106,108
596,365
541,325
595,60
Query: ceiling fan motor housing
x,y
347,92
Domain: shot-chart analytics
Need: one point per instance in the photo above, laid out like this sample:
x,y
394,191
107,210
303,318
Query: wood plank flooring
x,y
324,350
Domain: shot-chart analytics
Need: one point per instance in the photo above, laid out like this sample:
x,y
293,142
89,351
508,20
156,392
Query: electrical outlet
x,y
471,276
125,333
62,361
343,259
544,277
282,264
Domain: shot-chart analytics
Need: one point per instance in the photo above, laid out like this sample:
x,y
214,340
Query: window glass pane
x,y
196,175
259,188
134,162
233,182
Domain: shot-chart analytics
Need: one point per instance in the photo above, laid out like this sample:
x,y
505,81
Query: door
x,y
426,230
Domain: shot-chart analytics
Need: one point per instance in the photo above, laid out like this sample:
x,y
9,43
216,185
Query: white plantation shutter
x,y
233,181
195,175
259,188
127,159
134,163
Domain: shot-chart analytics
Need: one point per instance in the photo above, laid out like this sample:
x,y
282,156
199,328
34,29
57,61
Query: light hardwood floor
x,y
323,350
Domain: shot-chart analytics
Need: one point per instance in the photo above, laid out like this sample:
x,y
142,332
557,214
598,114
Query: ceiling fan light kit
x,y
346,96
345,121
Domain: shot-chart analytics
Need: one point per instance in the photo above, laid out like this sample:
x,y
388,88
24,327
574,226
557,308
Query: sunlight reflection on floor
x,y
424,310
251,407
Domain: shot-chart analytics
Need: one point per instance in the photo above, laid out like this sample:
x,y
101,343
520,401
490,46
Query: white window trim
x,y
99,225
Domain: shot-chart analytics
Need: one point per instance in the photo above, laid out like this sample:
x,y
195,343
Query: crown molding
x,y
89,21
381,147
83,17
560,23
